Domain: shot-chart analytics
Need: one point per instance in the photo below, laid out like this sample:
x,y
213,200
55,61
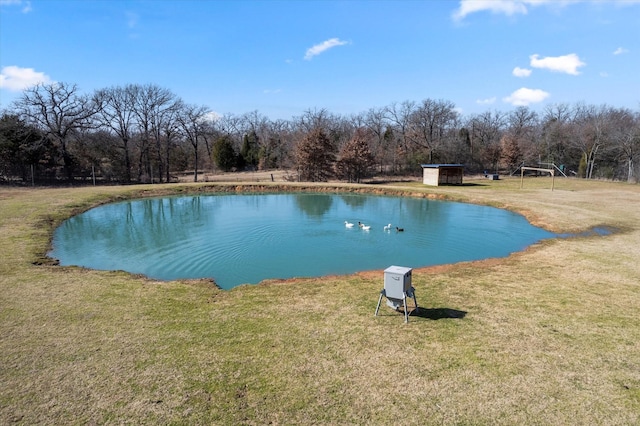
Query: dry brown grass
x,y
547,336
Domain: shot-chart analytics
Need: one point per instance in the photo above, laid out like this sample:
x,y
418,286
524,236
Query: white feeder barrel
x,y
397,288
397,281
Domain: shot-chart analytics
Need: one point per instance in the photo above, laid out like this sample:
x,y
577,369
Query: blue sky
x,y
281,58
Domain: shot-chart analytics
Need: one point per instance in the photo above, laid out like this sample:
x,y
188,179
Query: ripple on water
x,y
238,239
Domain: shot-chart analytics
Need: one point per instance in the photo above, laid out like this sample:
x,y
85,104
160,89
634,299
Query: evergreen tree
x,y
315,156
582,167
224,155
356,160
22,146
250,150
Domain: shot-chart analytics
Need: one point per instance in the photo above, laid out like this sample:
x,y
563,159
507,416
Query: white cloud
x,y
524,97
508,7
16,79
521,72
604,74
26,5
487,101
568,63
211,116
522,7
271,91
325,45
620,51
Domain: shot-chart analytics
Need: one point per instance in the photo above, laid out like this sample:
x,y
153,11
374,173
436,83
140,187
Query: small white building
x,y
442,174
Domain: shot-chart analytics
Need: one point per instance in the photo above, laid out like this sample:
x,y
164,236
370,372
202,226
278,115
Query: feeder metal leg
x,y
379,300
406,314
413,293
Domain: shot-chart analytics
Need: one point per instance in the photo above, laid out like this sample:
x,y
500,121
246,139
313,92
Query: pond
x,y
238,239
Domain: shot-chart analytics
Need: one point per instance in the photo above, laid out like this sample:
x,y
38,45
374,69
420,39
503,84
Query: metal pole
x,y
379,300
404,301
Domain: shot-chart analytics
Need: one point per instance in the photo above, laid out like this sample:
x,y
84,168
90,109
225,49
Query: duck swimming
x,y
387,227
348,224
399,229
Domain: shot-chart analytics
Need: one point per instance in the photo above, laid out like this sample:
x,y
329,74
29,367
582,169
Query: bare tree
x,y
485,132
430,124
232,127
314,119
149,127
192,123
399,117
278,149
258,125
377,124
591,135
519,142
626,138
58,110
556,134
165,130
151,100
118,114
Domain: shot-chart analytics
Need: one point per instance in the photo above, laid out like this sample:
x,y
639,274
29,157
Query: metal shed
x,y
442,174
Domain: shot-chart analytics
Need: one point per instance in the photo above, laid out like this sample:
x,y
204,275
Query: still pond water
x,y
237,239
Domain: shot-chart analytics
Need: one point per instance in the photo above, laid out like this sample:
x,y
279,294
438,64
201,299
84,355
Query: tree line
x,y
145,133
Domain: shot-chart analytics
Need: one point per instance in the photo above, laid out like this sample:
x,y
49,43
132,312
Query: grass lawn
x,y
546,336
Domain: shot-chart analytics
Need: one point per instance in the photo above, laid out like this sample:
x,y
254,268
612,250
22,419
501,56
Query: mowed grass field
x,y
549,336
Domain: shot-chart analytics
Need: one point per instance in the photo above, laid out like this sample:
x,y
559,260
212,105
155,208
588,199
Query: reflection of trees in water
x,y
158,222
423,211
314,205
162,222
141,224
418,210
252,204
154,223
354,200
379,209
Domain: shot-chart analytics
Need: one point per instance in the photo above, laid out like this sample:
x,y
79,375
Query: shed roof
x,y
438,166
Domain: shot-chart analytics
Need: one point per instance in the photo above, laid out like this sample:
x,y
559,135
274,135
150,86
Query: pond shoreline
x,y
252,188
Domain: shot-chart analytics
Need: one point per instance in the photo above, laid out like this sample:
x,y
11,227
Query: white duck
x,y
387,227
348,224
365,227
